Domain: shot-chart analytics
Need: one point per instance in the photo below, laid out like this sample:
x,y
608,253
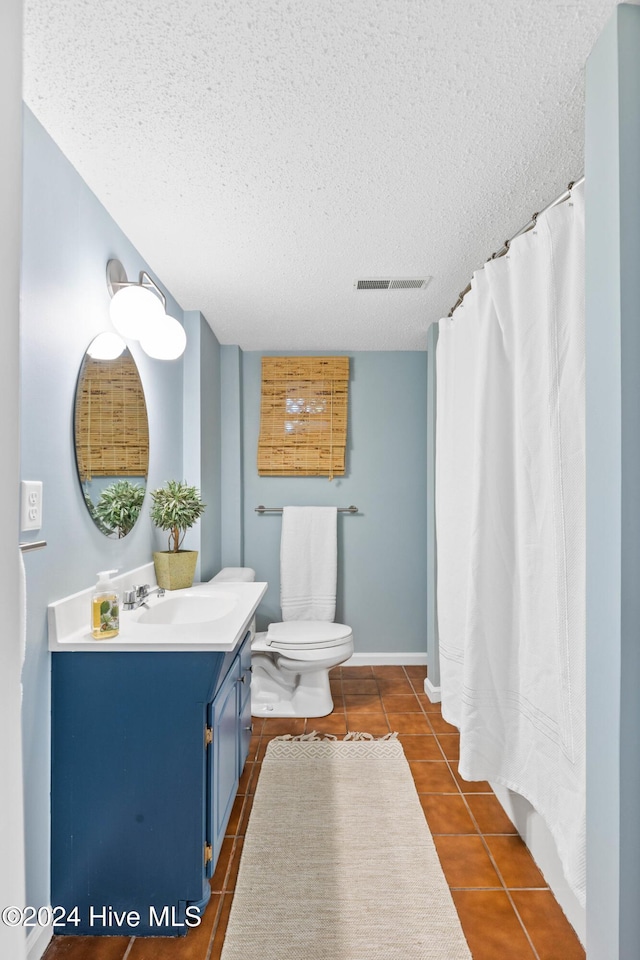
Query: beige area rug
x,y
338,862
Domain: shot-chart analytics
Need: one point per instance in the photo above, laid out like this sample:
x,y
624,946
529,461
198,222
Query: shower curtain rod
x,y
528,226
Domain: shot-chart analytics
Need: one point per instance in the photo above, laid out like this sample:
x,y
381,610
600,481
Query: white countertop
x,y
70,631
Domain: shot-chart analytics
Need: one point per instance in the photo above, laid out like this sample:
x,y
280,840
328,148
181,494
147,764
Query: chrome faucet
x,y
137,595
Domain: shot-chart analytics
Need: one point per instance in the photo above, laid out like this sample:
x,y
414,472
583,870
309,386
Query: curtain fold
x,y
455,377
511,563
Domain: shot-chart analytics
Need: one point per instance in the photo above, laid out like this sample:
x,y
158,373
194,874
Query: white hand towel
x,y
308,563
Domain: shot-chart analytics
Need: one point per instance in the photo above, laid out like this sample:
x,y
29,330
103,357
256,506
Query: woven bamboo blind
x,y
303,416
111,426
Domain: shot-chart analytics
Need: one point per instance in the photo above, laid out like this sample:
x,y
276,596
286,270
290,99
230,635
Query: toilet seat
x,y
302,635
305,641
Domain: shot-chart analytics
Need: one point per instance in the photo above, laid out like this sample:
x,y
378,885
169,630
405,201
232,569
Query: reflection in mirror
x,y
111,435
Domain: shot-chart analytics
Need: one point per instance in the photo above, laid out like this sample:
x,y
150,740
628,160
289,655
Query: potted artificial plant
x,y
176,507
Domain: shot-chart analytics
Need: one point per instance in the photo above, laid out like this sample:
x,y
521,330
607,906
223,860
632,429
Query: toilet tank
x,y
234,575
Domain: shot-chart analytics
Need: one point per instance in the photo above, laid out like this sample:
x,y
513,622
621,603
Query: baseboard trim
x,y
434,693
38,940
542,847
390,659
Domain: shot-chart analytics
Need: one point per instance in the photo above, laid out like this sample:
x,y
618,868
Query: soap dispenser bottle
x,y
105,608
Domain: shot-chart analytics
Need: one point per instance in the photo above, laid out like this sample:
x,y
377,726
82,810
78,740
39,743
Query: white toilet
x,y
290,663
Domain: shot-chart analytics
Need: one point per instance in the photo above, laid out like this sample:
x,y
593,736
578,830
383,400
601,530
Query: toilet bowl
x,y
290,663
290,667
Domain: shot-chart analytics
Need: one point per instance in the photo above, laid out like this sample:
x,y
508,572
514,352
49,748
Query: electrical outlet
x,y
31,504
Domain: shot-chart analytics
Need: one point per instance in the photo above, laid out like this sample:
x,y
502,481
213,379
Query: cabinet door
x,y
246,726
245,703
223,771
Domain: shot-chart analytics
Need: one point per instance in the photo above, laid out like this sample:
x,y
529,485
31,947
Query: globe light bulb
x,y
106,346
134,311
166,340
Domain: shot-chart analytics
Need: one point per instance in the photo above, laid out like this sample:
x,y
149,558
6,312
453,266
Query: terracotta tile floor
x,y
506,909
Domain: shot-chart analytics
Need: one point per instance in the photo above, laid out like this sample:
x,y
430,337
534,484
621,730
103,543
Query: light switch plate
x,y
30,504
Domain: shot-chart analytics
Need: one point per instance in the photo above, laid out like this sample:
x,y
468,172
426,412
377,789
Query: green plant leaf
x,y
119,506
175,508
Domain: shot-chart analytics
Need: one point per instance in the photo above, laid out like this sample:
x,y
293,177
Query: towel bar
x,y
262,509
35,545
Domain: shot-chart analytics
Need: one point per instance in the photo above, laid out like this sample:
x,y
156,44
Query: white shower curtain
x,y
510,492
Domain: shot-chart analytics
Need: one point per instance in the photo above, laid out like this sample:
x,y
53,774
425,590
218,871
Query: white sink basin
x,y
189,607
210,616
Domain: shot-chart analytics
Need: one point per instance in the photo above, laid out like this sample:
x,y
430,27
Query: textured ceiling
x,y
263,154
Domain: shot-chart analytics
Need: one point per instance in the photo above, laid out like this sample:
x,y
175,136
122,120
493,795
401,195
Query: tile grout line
x,y
517,889
214,927
522,924
508,893
129,948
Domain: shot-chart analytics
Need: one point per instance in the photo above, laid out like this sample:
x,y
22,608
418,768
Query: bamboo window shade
x,y
111,426
303,416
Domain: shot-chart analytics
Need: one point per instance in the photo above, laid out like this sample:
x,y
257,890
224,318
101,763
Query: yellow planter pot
x,y
175,571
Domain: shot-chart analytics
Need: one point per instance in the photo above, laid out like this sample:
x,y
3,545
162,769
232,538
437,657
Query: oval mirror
x,y
111,433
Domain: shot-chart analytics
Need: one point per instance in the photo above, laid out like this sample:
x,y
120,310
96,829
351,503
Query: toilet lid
x,y
307,634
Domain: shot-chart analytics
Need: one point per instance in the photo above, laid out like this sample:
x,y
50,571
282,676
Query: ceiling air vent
x,y
393,283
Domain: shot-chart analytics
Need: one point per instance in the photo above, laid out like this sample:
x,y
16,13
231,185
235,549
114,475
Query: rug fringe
x,y
352,735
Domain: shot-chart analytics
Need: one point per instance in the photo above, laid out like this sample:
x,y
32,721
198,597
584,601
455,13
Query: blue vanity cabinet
x,y
146,757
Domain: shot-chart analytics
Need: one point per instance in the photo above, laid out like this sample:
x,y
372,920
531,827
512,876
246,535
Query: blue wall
x,y
433,640
232,460
201,441
68,237
211,456
382,552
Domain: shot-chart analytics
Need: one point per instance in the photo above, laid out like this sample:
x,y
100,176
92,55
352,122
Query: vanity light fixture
x,y
137,311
